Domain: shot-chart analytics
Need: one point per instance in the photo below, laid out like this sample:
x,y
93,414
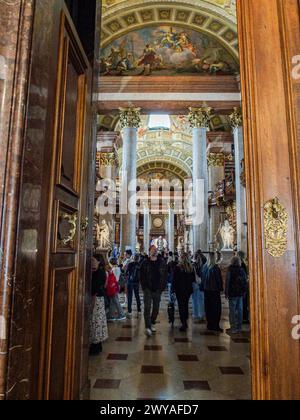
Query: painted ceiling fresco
x,y
166,50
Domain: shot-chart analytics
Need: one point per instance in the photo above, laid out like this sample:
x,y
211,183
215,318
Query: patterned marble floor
x,y
171,365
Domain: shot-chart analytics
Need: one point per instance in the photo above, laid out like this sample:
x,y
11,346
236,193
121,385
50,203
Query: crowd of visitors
x,y
185,276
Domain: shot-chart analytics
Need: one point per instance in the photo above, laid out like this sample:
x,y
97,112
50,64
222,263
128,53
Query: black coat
x,y
236,282
212,279
146,275
98,282
183,282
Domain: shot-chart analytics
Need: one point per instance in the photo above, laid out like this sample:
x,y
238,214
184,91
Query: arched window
x,y
157,122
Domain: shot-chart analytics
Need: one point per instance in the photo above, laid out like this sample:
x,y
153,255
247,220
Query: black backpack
x,y
133,277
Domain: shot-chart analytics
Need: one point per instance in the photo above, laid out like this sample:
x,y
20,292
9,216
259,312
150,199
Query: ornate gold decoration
x,y
276,227
83,229
130,117
243,173
230,211
84,224
72,220
200,117
108,159
236,118
157,222
216,159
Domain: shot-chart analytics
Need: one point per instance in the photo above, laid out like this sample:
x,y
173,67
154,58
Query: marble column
x,y
17,292
236,121
216,173
171,230
130,121
146,228
199,119
107,168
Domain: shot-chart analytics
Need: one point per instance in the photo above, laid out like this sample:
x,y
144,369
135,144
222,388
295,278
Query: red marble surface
x,y
15,36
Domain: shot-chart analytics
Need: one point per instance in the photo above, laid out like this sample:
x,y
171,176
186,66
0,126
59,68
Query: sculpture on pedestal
x,y
103,235
227,234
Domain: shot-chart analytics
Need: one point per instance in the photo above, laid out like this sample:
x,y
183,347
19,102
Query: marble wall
x,y
15,37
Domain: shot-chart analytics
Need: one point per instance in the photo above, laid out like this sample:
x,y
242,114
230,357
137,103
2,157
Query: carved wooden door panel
x,y
269,35
65,271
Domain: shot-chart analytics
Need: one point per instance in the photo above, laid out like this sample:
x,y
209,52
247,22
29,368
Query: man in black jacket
x,y
153,277
236,288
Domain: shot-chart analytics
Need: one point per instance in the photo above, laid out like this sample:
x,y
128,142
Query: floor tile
x,y
201,385
115,356
107,384
188,358
153,348
152,370
228,370
181,340
217,348
124,339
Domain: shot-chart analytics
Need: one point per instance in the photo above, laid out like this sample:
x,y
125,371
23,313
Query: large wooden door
x,y
269,36
63,298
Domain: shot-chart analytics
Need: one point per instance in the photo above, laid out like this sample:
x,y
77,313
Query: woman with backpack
x,y
184,277
236,289
98,323
112,290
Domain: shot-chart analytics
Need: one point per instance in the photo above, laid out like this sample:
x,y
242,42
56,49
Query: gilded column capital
x,y
130,117
107,159
200,117
216,160
236,118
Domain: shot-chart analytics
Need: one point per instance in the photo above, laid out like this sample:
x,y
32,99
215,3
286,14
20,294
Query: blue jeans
x,y
115,309
133,288
198,302
236,313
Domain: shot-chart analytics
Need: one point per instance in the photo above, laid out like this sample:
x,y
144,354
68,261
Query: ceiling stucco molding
x,y
169,161
215,6
161,167
217,22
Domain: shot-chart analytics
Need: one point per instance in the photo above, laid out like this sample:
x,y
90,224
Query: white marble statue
x,y
160,243
103,235
227,233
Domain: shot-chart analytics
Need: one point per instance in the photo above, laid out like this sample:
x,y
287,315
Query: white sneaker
x,y
122,318
153,329
148,332
129,315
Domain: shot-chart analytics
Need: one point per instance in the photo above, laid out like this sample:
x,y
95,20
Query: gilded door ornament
x,y
72,221
200,117
276,227
83,231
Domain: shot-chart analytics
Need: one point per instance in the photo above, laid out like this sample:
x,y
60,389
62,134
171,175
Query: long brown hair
x,y
185,263
211,260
